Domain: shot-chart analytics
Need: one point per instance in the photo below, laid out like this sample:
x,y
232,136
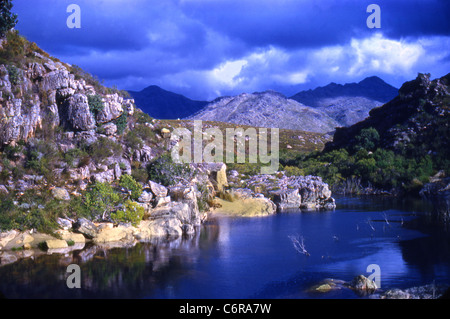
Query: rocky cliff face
x,y
47,93
267,109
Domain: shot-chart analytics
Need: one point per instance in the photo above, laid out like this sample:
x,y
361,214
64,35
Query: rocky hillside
x,y
418,119
351,102
267,109
79,158
162,104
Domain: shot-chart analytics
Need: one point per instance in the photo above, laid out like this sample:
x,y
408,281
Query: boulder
x,y
216,172
77,113
248,207
6,237
60,193
54,80
64,223
107,176
146,196
112,108
56,243
86,227
286,198
363,283
68,236
119,233
157,189
110,128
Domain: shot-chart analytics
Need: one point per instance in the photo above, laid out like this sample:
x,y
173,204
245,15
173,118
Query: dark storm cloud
x,y
206,48
299,23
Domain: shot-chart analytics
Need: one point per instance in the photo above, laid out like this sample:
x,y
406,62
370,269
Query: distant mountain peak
x,y
163,104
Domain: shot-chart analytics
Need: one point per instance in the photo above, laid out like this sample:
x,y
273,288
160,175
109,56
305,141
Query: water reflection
x,y
251,257
106,272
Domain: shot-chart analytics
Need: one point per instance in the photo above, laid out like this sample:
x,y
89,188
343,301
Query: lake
x,y
254,257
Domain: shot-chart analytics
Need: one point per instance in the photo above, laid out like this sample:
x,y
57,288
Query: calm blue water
x,y
252,258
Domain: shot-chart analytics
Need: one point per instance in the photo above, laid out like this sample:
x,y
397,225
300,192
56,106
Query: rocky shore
x,y
438,192
172,212
364,287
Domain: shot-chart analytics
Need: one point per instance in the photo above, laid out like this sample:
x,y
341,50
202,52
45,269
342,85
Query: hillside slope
x,y
351,102
267,109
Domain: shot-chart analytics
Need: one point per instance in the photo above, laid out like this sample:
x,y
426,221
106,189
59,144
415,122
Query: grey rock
x,y
57,79
78,114
286,199
157,189
363,283
86,227
60,193
104,177
146,196
110,128
112,108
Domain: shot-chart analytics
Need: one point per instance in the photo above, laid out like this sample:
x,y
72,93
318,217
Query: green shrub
x,y
104,148
132,140
367,139
293,171
140,174
164,171
121,123
7,19
130,183
132,213
14,75
95,104
74,154
101,199
141,117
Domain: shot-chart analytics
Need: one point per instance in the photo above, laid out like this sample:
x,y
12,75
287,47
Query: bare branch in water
x,y
370,224
299,244
386,219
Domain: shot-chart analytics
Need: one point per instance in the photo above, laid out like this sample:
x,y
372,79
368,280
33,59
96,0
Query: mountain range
x,y
162,104
319,110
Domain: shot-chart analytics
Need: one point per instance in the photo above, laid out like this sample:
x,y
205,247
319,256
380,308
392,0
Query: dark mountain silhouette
x,y
372,88
162,104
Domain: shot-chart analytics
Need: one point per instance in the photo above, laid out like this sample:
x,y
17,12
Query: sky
x,y
205,49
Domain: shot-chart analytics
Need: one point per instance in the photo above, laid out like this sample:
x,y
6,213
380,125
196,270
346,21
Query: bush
x,y
95,104
367,139
121,123
132,140
293,171
74,154
101,199
132,213
104,148
7,19
164,171
141,117
128,182
14,75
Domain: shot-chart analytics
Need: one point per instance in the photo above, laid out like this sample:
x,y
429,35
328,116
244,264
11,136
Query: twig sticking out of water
x,y
299,244
370,224
386,219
